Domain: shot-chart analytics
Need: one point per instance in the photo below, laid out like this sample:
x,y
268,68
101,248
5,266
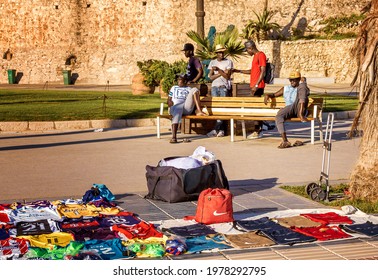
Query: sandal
x,y
186,140
284,145
173,141
298,143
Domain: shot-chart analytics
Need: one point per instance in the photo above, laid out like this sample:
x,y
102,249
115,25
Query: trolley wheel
x,y
310,187
318,194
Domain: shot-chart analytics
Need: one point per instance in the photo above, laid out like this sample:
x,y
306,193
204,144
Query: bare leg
x,y
197,102
174,132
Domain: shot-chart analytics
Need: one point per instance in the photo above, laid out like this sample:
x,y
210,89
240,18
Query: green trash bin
x,y
67,77
11,76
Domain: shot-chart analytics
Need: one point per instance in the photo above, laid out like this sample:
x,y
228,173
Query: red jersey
x,y
259,60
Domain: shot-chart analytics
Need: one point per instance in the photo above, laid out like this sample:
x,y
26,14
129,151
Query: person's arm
x,y
221,73
198,65
199,75
302,96
241,71
169,101
273,95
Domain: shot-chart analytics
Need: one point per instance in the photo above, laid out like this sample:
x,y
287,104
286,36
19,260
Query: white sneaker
x,y
220,133
212,133
255,135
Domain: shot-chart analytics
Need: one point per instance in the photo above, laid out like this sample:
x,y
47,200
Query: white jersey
x,y
179,94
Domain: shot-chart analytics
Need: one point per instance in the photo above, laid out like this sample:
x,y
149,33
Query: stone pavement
x,y
64,164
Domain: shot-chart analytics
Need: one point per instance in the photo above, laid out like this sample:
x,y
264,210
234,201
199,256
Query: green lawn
x,y
54,105
337,198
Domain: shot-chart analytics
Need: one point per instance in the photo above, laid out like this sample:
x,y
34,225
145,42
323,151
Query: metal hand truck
x,y
316,190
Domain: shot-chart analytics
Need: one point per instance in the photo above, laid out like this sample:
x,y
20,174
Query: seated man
x,y
296,101
182,100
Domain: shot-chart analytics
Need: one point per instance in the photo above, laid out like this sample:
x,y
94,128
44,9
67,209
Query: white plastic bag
x,y
203,155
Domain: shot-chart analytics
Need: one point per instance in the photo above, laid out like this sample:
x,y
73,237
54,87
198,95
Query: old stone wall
x,y
106,38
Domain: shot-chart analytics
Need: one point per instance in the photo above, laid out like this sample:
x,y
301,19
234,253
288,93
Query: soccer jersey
x,y
142,230
191,230
13,247
76,211
328,218
34,213
323,233
122,218
49,240
83,234
56,253
79,223
202,243
36,227
109,249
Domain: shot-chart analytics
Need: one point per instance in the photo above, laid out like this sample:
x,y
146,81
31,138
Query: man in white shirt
x,y
220,74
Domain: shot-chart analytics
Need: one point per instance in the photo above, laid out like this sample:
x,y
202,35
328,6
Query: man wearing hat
x,y
220,75
194,69
296,100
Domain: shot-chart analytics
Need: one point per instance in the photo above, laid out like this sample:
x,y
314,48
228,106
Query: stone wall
x,y
107,37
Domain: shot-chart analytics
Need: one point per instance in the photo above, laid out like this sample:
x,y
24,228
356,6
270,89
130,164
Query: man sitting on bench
x,y
182,100
296,100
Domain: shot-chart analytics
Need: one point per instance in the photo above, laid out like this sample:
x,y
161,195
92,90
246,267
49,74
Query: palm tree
x,y
261,28
229,39
364,178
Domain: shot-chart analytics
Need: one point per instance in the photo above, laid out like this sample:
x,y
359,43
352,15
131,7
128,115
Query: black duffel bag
x,y
171,184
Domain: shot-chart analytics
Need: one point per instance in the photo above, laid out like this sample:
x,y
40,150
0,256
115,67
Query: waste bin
x,y
67,77
11,76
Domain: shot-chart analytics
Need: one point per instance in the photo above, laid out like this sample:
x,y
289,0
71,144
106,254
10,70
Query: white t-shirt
x,y
179,94
224,65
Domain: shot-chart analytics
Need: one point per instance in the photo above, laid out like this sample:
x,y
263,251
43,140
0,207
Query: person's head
x,y
181,80
219,50
188,49
250,47
294,78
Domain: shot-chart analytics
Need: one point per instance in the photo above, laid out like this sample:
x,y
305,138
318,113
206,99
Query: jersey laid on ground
x,y
31,214
125,218
367,228
33,204
79,223
37,227
61,239
4,216
142,230
13,247
328,218
109,249
248,240
56,253
191,230
210,242
84,234
323,233
75,211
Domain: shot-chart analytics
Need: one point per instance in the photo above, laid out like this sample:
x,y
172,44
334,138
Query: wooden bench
x,y
249,109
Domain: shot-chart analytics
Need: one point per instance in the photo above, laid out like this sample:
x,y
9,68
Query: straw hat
x,y
295,74
219,48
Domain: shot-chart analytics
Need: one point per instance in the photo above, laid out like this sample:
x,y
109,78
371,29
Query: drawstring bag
x,y
214,206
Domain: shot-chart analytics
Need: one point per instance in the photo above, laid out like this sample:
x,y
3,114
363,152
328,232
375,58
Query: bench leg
x,y
232,129
158,127
320,131
243,130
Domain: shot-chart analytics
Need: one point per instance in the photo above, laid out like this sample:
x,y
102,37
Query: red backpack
x,y
214,206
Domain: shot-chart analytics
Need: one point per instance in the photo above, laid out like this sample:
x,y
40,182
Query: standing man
x,y
257,74
194,69
220,75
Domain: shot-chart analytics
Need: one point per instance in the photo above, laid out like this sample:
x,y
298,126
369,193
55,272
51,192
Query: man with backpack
x,y
257,83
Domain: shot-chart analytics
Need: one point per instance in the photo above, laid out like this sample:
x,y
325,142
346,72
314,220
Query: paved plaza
x,y
64,164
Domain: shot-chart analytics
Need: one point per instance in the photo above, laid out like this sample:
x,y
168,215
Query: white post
x,y
158,120
315,115
232,129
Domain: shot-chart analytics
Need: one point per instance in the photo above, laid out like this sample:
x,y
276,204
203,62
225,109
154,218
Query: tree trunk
x,y
364,178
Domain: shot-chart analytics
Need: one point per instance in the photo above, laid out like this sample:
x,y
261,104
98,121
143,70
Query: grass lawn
x,y
337,198
54,105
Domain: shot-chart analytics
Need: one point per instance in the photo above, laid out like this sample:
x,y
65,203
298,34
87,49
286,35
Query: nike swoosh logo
x,y
219,214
